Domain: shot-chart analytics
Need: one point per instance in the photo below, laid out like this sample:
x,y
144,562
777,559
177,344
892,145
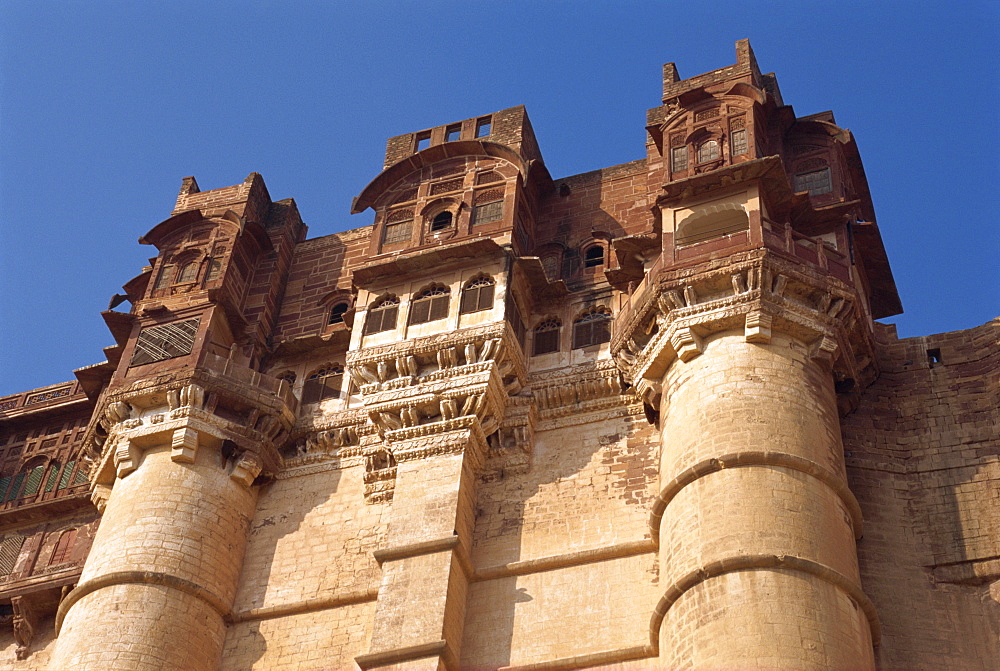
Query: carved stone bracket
x,y
26,620
758,294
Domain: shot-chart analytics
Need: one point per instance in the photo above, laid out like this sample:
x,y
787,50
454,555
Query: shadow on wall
x,y
536,510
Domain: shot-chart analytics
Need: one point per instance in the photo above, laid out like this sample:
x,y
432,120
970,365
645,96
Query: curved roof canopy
x,y
431,155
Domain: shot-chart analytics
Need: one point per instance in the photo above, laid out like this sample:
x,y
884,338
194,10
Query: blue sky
x,y
105,106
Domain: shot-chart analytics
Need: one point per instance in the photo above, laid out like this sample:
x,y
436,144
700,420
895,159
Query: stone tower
x,y
185,425
740,341
641,417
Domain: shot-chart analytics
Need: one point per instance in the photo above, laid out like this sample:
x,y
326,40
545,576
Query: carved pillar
x,y
163,569
755,520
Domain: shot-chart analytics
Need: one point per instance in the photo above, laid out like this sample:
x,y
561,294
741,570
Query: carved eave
x,y
336,340
94,378
871,254
768,170
120,324
167,227
630,252
402,263
530,268
135,288
534,169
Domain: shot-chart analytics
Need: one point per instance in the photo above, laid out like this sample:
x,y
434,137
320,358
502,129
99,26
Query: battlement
x,y
509,127
249,199
744,68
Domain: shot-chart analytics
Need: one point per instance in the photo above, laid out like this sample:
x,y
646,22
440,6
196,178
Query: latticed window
x,y
188,273
441,221
708,151
593,257
288,378
10,548
547,336
399,232
592,328
429,305
382,315
739,142
324,383
60,553
477,295
816,182
337,313
678,158
487,213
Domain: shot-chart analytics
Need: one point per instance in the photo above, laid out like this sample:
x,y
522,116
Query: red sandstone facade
x,y
639,417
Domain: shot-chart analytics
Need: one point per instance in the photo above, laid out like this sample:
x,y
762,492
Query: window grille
x,y
337,313
166,273
33,481
188,273
441,221
10,548
324,383
167,341
67,472
382,317
547,337
551,266
484,126
487,213
708,151
739,142
53,479
678,158
429,305
477,295
394,233
816,182
214,270
593,328
593,257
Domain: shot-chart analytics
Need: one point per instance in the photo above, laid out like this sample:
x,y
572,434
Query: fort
x,y
638,418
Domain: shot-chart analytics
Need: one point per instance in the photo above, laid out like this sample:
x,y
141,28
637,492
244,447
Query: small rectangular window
x,y
484,126
678,158
487,212
739,142
453,133
423,141
816,182
399,232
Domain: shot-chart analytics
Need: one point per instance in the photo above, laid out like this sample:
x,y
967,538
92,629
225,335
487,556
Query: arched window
x,y
382,315
441,221
188,272
323,383
592,328
429,305
593,257
708,151
28,481
288,377
547,337
60,553
477,295
337,313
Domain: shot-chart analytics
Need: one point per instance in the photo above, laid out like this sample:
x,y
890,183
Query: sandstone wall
x,y
923,458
